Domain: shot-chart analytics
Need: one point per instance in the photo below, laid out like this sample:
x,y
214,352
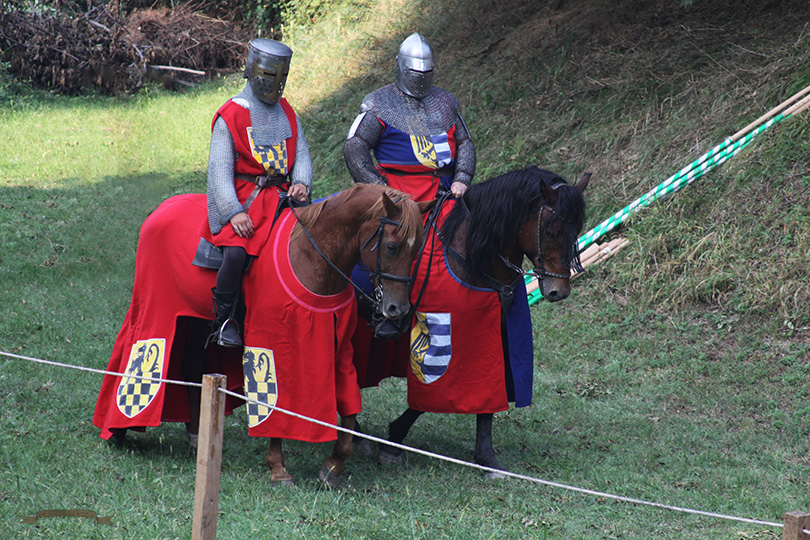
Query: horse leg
x,y
484,452
119,436
279,476
397,431
193,369
362,444
335,465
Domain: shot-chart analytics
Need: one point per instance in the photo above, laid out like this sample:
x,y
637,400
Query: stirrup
x,y
216,336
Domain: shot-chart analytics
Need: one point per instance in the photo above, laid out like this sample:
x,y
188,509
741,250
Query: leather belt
x,y
438,173
262,180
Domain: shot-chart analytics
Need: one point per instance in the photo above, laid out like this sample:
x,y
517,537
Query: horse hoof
x,y
193,442
364,446
386,456
282,483
328,479
491,463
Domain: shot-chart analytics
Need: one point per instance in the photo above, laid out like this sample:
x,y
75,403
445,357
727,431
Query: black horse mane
x,y
499,206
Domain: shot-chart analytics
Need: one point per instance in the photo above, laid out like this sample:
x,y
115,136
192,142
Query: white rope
x,y
100,371
505,473
415,450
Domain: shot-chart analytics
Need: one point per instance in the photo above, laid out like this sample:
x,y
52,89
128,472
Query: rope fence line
x,y
99,371
505,473
425,453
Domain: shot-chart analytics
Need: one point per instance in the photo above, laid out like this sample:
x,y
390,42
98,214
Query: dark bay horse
x,y
300,314
468,350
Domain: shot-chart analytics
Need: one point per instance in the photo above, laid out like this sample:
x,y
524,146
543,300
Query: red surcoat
x,y
261,211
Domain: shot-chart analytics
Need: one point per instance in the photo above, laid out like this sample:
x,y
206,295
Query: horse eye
x,y
552,232
392,248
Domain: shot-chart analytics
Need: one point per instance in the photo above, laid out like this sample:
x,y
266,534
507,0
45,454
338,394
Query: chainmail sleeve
x,y
222,201
465,153
302,170
364,135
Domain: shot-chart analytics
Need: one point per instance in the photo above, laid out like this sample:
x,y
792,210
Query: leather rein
x,y
375,276
506,291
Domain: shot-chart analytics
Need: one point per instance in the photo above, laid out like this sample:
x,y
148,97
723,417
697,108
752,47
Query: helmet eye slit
x,y
415,67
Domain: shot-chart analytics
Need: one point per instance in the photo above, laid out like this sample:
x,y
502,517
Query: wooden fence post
x,y
795,525
209,458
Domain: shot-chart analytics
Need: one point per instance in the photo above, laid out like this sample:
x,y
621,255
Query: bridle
x,y
375,276
539,272
378,275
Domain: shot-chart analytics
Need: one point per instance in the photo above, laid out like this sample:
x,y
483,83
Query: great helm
x,y
266,69
415,66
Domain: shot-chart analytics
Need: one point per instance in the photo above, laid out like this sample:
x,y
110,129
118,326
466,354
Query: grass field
x,y
676,373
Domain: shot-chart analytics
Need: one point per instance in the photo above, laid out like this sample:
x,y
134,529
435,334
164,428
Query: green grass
x,y
675,373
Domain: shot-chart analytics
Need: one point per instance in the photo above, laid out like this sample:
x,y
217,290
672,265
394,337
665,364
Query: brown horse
x,y
470,347
296,330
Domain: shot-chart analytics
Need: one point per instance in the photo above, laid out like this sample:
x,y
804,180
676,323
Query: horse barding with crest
x,y
469,349
297,328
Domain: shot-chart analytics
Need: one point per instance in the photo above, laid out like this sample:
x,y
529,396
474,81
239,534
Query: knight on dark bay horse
x,y
469,349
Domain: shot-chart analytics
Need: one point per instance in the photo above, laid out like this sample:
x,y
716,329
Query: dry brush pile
x,y
115,53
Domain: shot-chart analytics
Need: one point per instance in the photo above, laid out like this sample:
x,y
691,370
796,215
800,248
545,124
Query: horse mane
x,y
410,221
498,207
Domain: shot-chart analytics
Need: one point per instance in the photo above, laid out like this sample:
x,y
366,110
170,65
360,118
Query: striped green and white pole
x,y
714,157
697,168
717,155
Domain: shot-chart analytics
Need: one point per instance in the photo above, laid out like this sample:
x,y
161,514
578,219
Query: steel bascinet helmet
x,y
266,69
415,66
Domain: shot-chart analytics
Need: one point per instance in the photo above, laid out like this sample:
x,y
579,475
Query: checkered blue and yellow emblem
x,y
145,363
273,158
259,368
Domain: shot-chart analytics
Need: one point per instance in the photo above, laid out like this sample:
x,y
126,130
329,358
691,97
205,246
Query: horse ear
x,y
391,209
550,194
582,183
426,206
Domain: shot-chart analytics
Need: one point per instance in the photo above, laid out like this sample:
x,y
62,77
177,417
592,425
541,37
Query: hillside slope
x,y
685,357
632,91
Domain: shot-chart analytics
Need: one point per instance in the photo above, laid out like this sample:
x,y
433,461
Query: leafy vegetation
x,y
676,372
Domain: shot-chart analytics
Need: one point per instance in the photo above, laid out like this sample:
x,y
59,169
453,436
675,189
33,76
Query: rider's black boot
x,y
224,329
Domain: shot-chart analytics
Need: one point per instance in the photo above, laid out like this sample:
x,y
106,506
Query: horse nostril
x,y
393,311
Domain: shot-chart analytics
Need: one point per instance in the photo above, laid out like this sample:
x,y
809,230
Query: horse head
x,y
526,213
394,235
549,239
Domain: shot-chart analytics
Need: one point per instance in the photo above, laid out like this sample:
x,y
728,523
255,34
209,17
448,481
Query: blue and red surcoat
x,y
416,164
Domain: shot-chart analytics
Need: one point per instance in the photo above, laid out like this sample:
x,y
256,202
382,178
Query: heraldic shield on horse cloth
x,y
146,364
298,347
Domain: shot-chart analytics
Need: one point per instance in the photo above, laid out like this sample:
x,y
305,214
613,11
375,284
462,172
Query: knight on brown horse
x,y
299,320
